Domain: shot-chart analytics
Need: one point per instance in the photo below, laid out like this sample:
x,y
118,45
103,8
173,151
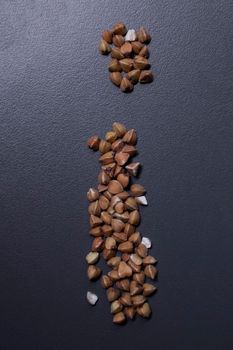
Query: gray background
x,y
55,93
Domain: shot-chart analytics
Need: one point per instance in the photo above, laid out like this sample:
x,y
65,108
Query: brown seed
x,y
127,64
117,145
118,170
110,243
114,262
114,66
136,259
119,28
124,270
95,221
93,143
108,254
123,179
114,200
123,195
107,36
123,284
112,294
106,217
142,250
135,238
139,277
107,230
106,281
148,289
130,137
103,202
131,150
113,275
143,36
138,300
134,217
118,40
107,158
126,247
135,288
115,78
126,49
149,260
92,194
93,272
131,203
116,306
119,318
133,168
144,310
117,225
121,158
126,299
144,52
119,207
151,271
104,146
126,85
104,47
134,267
119,129
141,62
130,312
103,178
137,190
97,244
92,258
116,53
109,169
136,46
134,75
125,257
102,188
146,76
111,136
120,236
96,231
115,187
94,208
129,230
108,195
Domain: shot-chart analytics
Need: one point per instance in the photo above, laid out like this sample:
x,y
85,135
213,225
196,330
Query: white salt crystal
x,y
130,35
147,242
92,298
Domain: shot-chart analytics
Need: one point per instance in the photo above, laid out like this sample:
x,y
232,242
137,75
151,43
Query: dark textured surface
x,y
55,93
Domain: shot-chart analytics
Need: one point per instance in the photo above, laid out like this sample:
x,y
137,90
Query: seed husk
x,y
92,298
121,158
143,36
106,281
144,310
126,247
110,243
137,190
92,258
148,289
92,194
142,250
118,40
124,270
116,307
139,277
97,244
133,168
107,36
104,47
114,66
116,53
134,217
93,143
130,312
134,75
127,64
119,28
141,62
146,76
126,299
137,46
151,271
115,187
112,294
95,221
126,49
93,272
104,146
119,318
123,284
138,300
